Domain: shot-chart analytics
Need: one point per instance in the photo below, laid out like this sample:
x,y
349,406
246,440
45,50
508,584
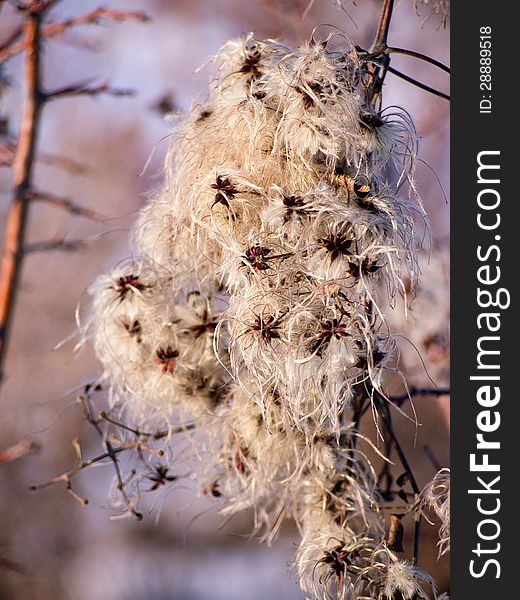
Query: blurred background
x,y
51,547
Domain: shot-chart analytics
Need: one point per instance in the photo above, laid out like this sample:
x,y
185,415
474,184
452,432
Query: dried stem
x,y
418,55
377,48
383,27
136,431
384,407
399,400
379,55
418,84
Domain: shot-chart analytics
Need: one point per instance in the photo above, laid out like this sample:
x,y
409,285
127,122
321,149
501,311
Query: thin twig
x,y
418,55
62,245
13,37
8,149
136,431
82,89
66,204
423,86
399,400
63,162
112,449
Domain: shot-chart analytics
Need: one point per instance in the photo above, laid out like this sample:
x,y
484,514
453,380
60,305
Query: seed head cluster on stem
x,y
252,305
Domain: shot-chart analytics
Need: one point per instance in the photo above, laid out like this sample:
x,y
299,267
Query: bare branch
x,y
8,149
23,157
62,245
22,173
63,162
156,435
13,37
377,48
20,450
6,155
110,454
398,400
112,449
381,36
91,18
82,89
66,204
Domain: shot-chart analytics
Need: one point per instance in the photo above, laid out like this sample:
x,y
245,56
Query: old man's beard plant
x,y
251,310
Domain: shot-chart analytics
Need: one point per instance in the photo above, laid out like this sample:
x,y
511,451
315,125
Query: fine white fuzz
x,y
436,497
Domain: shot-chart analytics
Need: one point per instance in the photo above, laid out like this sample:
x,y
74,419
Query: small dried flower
x,y
225,190
160,477
128,283
165,358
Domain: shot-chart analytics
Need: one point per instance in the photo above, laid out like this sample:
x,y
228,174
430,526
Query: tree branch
x,y
8,149
55,29
82,89
379,70
62,245
383,27
22,171
66,204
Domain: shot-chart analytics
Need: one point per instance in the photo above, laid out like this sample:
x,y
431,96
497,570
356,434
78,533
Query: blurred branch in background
x,y
20,156
16,43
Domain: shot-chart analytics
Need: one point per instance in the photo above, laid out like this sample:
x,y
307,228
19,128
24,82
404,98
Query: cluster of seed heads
x,y
252,305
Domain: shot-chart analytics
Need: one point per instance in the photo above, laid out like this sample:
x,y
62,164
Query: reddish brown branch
x,y
12,38
20,450
6,155
22,160
63,162
22,171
